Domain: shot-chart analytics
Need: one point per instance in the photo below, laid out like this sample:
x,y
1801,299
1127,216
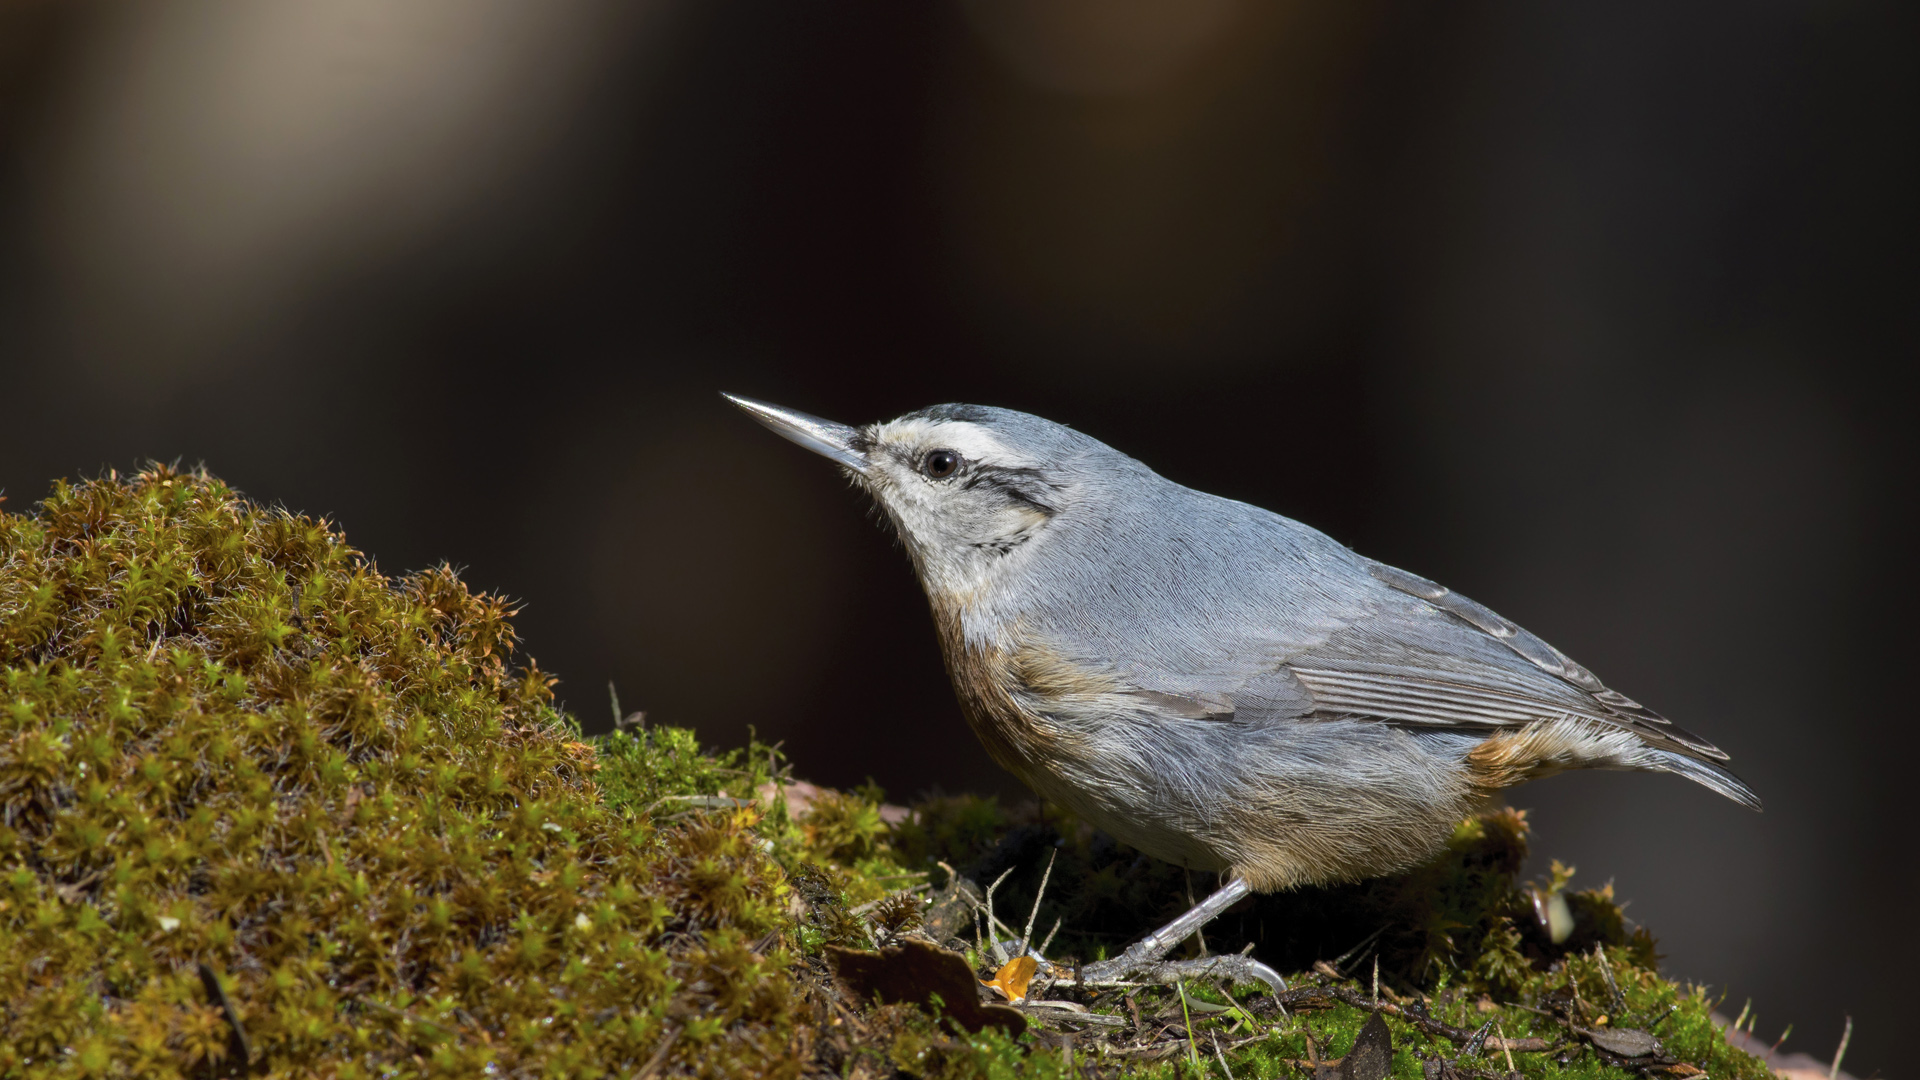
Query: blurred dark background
x,y
1594,312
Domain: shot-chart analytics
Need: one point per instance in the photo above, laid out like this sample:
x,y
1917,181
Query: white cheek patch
x,y
957,536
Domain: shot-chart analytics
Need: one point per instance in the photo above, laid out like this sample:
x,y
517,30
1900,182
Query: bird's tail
x,y
1709,775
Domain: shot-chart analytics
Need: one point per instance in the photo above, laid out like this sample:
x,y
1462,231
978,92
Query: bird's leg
x,y
1161,941
1142,961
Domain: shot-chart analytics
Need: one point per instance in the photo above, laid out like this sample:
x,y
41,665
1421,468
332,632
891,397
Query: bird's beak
x,y
823,437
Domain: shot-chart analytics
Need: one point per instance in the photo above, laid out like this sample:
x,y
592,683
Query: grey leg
x,y
1142,961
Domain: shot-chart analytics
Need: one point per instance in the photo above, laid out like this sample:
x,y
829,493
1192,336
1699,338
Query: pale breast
x,y
1281,803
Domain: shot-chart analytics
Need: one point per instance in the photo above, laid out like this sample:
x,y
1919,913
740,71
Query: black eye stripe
x,y
1019,485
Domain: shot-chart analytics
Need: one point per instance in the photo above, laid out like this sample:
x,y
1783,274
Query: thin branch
x,y
1026,936
998,956
1050,933
1425,1023
1223,1057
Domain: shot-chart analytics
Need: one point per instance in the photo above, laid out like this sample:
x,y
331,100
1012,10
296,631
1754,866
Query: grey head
x,y
1033,538
964,485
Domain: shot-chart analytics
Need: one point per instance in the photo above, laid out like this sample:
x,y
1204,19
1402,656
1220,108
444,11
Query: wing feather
x,y
1427,683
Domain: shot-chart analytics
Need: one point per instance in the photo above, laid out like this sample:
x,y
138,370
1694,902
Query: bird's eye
x,y
941,464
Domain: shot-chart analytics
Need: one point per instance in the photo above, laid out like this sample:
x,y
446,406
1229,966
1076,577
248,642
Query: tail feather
x,y
1709,775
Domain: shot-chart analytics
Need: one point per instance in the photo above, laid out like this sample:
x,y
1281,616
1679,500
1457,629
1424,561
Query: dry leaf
x,y
1013,978
914,972
1626,1042
1372,1055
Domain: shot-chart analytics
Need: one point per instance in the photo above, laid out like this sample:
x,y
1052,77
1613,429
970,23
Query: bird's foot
x,y
1127,968
1143,962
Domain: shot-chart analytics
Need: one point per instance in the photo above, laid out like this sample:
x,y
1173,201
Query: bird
x,y
1217,685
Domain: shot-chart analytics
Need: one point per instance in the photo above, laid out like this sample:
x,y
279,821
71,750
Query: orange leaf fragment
x,y
1013,978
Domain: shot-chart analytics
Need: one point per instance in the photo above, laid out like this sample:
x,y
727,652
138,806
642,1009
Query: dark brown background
x,y
1589,311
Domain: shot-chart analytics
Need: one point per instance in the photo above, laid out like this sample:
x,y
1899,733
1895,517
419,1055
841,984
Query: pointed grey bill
x,y
823,437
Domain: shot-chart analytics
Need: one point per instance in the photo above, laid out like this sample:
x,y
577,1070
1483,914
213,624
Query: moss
x,y
661,771
232,750
1462,940
1466,914
228,739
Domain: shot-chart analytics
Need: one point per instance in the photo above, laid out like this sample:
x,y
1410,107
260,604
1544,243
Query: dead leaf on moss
x,y
913,973
1013,978
1372,1055
1626,1042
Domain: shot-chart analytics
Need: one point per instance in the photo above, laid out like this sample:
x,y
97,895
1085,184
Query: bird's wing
x,y
1405,651
1415,655
1430,657
1257,617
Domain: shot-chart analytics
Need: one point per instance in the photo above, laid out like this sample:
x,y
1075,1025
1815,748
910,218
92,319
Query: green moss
x,y
1466,915
1461,939
661,771
228,739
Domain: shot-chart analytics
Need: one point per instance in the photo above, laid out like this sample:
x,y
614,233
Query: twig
x,y
1617,1000
1050,933
1151,1052
998,957
1026,936
659,1056
1424,1022
1224,1067
1846,1036
1508,1050
1340,962
871,904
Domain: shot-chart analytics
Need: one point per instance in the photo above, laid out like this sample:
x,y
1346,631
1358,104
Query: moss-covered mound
x,y
1477,972
227,740
264,811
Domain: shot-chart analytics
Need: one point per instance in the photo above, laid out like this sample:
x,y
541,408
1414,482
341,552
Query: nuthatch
x,y
1215,684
